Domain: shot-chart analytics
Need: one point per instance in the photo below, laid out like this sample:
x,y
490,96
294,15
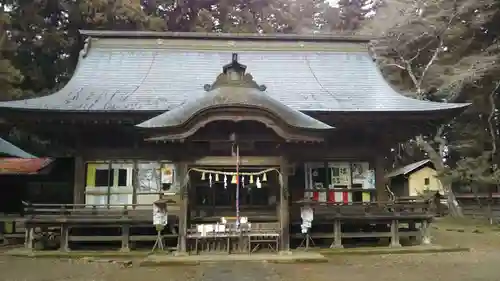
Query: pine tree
x,y
10,77
353,12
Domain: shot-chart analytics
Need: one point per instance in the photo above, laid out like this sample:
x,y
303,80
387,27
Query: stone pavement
x,y
296,257
239,271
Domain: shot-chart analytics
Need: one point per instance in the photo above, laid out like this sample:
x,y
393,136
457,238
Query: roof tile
x,y
129,78
20,166
407,169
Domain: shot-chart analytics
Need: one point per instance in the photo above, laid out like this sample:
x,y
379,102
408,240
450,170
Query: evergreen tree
x,y
43,42
353,12
10,77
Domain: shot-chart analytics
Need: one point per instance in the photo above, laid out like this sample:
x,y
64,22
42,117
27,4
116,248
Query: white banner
x,y
159,216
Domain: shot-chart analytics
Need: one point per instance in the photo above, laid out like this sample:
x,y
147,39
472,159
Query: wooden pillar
x,y
125,238
135,182
284,212
2,234
395,234
413,228
79,181
337,234
425,230
380,180
29,237
180,178
64,240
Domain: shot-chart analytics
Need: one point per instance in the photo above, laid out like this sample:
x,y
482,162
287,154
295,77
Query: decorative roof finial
x,y
233,74
235,65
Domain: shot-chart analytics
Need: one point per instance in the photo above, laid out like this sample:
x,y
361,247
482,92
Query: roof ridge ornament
x,y
234,75
85,50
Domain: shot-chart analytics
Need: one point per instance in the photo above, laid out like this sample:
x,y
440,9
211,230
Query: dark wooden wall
x,y
56,187
399,186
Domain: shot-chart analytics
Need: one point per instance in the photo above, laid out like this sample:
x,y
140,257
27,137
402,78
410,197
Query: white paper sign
x,y
159,216
359,172
307,215
167,174
369,180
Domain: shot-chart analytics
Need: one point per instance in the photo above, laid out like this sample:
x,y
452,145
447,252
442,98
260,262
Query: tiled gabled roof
x,y
127,72
407,169
253,99
21,166
234,88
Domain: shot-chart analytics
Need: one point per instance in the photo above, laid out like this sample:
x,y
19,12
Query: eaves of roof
x,y
118,72
405,170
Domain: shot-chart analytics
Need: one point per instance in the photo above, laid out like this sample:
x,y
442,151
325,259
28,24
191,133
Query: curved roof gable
x,y
234,88
161,71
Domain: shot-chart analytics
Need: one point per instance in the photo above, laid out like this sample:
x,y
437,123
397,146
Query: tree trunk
x,y
453,206
436,158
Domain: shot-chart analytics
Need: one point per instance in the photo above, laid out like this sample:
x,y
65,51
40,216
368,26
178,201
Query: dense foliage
x,y
448,51
40,41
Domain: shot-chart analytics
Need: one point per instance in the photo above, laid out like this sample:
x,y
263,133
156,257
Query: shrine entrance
x,y
234,208
214,193
235,114
219,187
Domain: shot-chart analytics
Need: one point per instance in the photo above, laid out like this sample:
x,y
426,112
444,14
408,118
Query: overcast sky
x,y
333,2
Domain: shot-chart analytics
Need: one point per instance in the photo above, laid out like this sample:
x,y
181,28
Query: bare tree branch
x,y
491,130
437,51
396,65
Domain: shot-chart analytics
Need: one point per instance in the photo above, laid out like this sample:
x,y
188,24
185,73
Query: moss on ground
x,y
387,250
75,254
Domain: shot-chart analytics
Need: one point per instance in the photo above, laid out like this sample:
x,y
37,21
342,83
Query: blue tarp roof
x,y
12,150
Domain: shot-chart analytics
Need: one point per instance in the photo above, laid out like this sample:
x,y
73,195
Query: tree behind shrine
x,y
448,51
47,42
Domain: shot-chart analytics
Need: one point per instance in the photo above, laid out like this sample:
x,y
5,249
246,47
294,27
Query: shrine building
x,y
307,117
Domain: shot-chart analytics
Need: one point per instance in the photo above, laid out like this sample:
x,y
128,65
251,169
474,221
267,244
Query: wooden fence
x,y
92,223
480,206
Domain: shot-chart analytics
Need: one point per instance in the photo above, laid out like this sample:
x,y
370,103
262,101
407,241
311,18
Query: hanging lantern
x,y
216,177
251,178
203,176
210,180
258,183
243,181
225,182
264,177
234,179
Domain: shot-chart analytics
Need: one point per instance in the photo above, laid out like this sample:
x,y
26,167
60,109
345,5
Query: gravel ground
x,y
481,264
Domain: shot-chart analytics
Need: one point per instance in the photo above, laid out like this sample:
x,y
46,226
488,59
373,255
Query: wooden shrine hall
x,y
241,131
